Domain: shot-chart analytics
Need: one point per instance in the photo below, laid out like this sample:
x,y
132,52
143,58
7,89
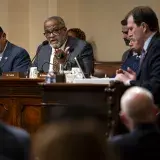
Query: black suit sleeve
x,y
153,82
87,59
21,61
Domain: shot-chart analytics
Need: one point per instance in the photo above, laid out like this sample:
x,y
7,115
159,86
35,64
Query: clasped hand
x,y
125,76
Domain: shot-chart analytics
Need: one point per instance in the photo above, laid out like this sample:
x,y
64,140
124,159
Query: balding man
x,y
67,47
138,114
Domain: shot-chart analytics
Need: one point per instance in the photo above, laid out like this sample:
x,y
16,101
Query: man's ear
x,y
155,110
3,36
144,27
123,118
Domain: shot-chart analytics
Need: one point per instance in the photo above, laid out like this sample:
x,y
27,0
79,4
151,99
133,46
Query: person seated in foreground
x,y
71,140
138,113
14,143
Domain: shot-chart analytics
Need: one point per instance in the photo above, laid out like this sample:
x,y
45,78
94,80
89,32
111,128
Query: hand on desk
x,y
61,55
125,76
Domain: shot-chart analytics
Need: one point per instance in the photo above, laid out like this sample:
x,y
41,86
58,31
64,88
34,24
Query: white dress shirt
x,y
1,54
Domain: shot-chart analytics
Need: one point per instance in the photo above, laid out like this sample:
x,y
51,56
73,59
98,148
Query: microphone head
x,y
45,43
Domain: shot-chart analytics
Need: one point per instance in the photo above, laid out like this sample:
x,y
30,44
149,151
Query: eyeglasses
x,y
54,32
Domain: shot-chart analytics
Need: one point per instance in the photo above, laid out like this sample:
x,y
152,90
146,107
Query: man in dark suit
x,y
12,57
67,47
125,38
138,113
129,58
144,29
14,143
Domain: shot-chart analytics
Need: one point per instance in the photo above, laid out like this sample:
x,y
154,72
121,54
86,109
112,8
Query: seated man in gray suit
x,y
68,47
12,57
14,143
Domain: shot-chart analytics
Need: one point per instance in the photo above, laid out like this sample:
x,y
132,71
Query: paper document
x,y
94,80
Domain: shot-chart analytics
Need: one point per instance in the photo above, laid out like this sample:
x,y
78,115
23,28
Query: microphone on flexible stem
x,y
37,52
41,70
80,67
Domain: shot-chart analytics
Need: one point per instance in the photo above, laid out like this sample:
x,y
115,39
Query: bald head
x,y
137,104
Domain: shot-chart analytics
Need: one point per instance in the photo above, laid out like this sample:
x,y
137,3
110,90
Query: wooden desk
x,y
21,99
90,95
19,103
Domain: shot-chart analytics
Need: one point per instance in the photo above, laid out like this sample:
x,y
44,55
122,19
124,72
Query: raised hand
x,y
61,55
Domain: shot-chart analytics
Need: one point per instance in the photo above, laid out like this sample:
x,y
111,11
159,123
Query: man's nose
x,y
130,34
52,35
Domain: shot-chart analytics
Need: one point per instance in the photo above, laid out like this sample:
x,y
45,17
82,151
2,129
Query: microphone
x,y
39,48
37,52
41,70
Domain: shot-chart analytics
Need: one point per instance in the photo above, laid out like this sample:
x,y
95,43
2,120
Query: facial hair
x,y
126,41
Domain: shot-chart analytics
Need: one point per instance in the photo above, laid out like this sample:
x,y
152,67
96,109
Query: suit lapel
x,y
155,37
6,54
46,58
71,42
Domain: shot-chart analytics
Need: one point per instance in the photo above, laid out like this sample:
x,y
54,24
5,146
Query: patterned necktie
x,y
55,65
143,54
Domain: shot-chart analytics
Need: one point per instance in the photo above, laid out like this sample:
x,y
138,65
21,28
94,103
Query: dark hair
x,y
124,22
1,30
78,32
144,14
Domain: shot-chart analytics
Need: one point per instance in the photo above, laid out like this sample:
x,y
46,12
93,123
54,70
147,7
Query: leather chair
x,y
102,69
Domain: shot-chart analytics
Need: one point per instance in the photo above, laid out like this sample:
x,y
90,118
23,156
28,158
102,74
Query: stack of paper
x,y
94,80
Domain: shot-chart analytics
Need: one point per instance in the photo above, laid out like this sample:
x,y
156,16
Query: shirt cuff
x,y
127,83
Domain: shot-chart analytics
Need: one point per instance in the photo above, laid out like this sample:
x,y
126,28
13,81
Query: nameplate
x,y
13,75
42,75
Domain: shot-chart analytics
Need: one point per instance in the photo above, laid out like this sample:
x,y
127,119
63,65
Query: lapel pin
x,y
5,58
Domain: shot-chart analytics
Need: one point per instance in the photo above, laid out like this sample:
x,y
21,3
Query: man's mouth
x,y
53,41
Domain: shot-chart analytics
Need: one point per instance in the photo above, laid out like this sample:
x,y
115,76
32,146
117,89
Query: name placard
x,y
13,75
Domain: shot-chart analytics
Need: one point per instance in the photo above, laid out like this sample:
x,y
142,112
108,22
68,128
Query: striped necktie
x,y
143,54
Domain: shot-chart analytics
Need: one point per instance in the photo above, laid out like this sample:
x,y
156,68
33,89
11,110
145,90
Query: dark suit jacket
x,y
15,59
130,60
125,55
142,143
148,75
78,48
14,143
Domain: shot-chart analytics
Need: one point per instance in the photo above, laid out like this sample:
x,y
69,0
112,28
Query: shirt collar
x,y
147,42
4,48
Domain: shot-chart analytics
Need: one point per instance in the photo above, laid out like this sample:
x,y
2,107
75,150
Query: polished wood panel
x,y
23,102
90,95
19,99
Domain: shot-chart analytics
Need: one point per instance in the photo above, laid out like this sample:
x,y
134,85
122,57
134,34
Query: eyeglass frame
x,y
53,32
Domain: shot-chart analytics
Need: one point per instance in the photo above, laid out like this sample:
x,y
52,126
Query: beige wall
x,y
100,19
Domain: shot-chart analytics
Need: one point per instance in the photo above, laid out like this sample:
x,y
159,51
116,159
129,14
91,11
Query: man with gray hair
x,y
62,49
138,113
